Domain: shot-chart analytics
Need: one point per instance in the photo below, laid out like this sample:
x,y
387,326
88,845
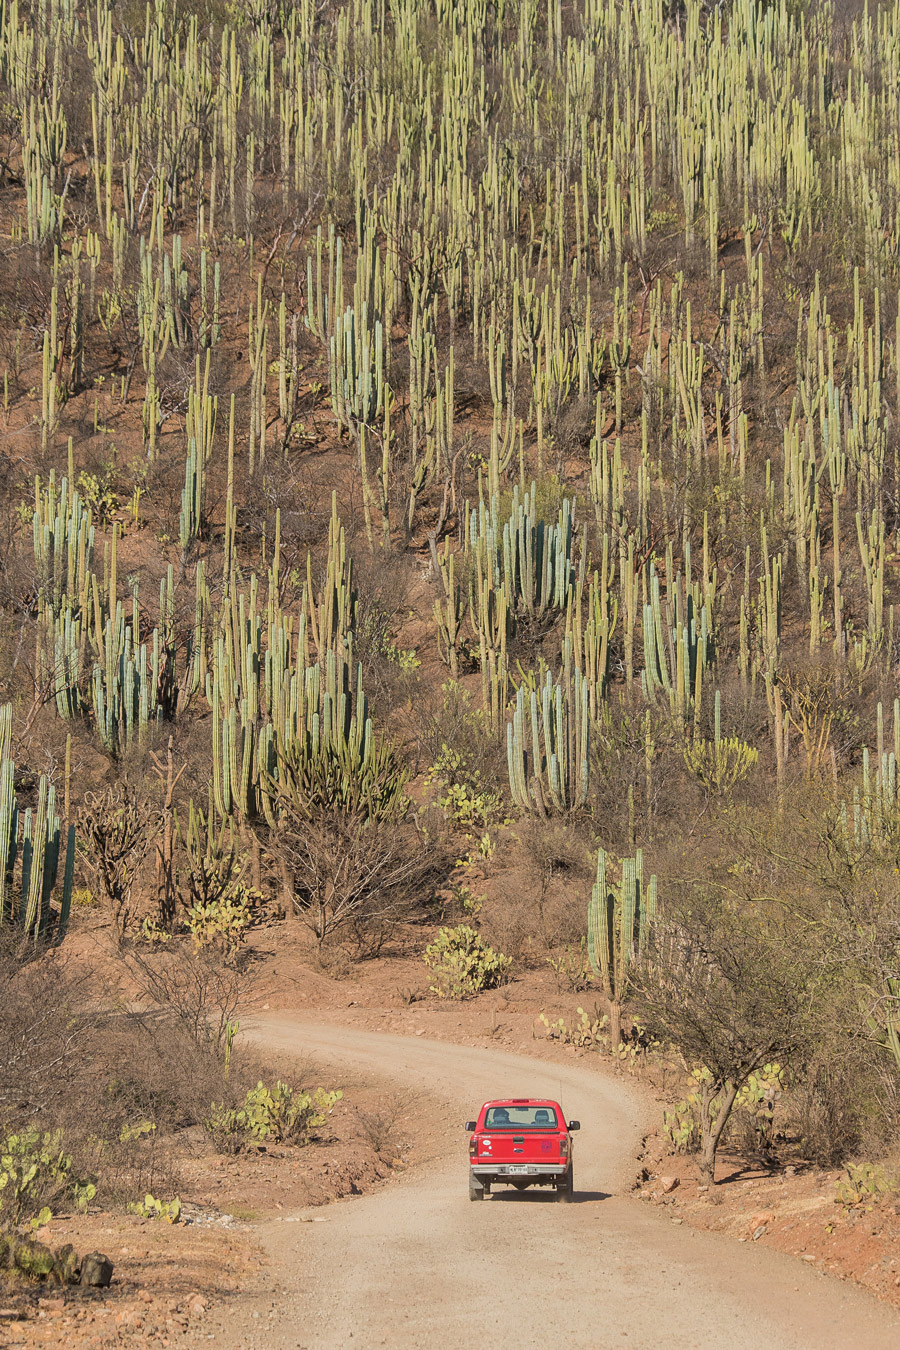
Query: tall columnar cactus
x,y
279,716
63,543
200,425
590,636
330,757
530,560
193,497
619,916
331,613
61,655
871,818
678,645
130,685
449,612
356,364
548,746
29,859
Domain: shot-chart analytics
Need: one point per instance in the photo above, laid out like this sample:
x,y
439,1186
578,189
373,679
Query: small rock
x,y
145,1296
129,1317
758,1224
421,1031
196,1305
807,1256
677,1221
96,1270
668,1184
790,1171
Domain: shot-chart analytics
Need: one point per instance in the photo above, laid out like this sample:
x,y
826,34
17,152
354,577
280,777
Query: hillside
x,y
450,483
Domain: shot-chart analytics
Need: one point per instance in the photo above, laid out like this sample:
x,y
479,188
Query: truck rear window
x,y
520,1118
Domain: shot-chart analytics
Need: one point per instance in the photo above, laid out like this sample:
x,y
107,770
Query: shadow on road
x,y
547,1197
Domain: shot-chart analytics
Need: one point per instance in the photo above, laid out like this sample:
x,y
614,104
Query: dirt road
x,y
417,1264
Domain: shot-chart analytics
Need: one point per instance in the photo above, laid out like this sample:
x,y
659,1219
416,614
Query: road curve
x,y
416,1264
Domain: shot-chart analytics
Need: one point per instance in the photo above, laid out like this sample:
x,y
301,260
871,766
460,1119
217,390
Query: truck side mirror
x,y
470,1125
574,1125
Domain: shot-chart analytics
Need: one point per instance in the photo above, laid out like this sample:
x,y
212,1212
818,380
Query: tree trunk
x,y
714,1112
165,848
255,870
615,1025
779,744
287,890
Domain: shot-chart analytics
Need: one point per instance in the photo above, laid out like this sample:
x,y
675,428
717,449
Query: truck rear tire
x,y
476,1190
566,1191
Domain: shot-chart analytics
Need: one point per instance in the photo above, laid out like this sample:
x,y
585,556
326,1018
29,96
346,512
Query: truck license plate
x,y
517,1170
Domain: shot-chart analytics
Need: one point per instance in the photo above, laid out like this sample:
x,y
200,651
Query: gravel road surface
x,y
417,1264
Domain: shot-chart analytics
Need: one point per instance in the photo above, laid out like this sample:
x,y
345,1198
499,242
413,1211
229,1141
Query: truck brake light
x,y
473,1147
564,1146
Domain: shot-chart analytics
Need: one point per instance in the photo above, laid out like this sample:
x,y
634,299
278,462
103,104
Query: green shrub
x,y
223,922
278,1115
35,1175
463,964
151,1208
588,1033
864,1185
463,798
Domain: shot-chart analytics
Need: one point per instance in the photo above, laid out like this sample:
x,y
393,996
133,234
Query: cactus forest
x,y
451,465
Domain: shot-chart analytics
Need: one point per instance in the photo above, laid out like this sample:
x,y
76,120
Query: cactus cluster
x,y
30,853
548,746
63,543
619,915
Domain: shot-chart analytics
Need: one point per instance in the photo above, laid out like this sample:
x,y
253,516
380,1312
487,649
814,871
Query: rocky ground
x,y
792,1208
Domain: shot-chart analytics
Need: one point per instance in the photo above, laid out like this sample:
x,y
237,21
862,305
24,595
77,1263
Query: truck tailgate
x,y
508,1146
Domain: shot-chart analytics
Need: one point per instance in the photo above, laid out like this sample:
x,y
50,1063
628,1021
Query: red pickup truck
x,y
521,1141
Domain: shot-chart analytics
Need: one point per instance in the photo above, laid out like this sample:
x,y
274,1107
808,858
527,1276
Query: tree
x,y
727,986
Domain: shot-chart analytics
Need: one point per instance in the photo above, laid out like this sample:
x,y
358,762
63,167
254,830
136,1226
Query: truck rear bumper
x,y
504,1171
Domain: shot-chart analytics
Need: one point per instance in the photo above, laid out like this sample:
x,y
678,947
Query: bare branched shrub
x,y
199,989
116,826
379,1124
356,875
49,1011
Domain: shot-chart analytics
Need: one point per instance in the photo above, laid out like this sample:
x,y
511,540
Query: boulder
x,y
667,1184
96,1270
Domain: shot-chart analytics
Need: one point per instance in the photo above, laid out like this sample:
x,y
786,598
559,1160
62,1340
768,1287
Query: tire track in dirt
x,y
416,1264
